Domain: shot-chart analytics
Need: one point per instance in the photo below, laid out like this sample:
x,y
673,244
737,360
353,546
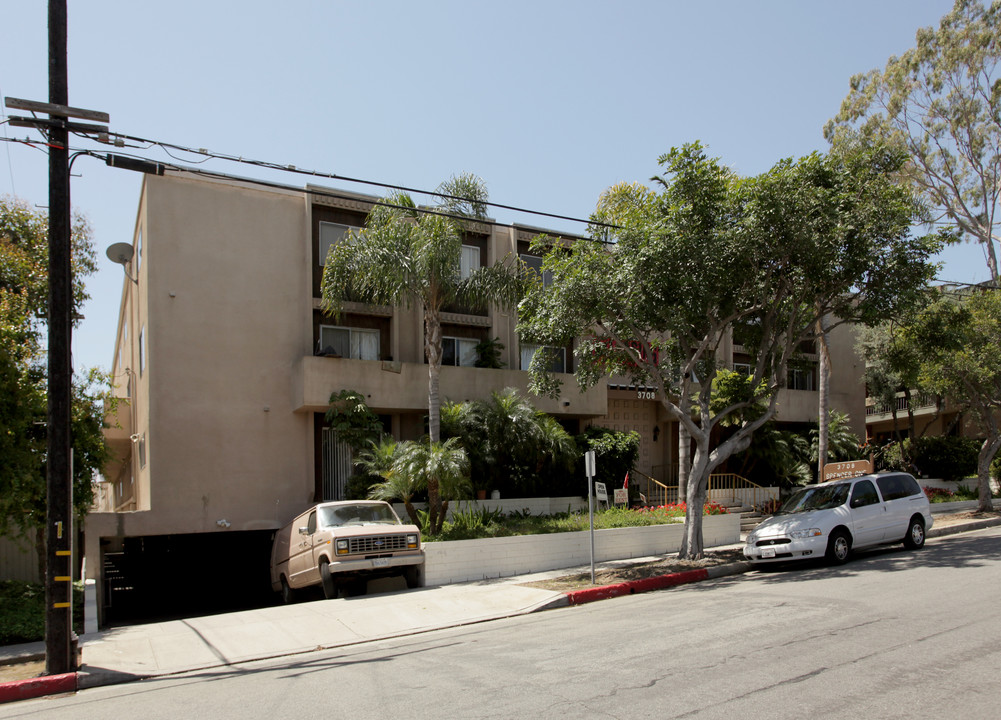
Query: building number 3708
x,y
646,394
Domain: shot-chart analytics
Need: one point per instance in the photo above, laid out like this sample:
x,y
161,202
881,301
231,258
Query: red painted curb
x,y
579,597
36,687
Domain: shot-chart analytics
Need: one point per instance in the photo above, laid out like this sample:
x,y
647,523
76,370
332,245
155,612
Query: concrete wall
x,y
534,506
466,560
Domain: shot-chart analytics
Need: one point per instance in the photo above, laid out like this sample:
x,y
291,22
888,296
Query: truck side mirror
x,y
304,530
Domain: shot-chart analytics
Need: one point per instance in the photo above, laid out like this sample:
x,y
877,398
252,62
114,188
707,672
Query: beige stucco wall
x,y
223,295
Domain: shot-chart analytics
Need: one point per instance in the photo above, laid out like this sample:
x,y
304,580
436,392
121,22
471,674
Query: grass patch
x,y
475,524
22,611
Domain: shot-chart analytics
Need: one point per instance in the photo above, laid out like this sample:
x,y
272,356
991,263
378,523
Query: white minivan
x,y
334,543
831,519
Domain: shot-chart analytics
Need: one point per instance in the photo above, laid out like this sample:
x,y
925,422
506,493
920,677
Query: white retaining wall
x,y
465,560
535,506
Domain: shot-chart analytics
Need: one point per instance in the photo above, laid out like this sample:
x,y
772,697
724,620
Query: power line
x,y
207,154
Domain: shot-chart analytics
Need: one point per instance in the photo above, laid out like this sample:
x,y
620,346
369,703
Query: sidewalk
x,y
155,649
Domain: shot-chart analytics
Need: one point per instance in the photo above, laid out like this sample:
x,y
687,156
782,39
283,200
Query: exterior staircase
x,y
749,517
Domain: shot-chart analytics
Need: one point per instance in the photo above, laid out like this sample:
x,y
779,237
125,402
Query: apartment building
x,y
226,362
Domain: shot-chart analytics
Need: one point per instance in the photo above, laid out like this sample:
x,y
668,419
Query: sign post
x,y
589,470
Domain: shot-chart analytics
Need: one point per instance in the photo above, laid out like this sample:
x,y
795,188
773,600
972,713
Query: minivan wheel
x,y
839,547
915,537
288,595
327,580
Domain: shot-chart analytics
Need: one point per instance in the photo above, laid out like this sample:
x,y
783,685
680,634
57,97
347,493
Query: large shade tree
x,y
941,102
960,336
410,256
23,400
682,265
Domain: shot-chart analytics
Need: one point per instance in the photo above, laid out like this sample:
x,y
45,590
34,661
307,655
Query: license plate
x,y
767,552
384,562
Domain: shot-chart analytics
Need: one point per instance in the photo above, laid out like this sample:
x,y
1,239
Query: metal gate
x,y
337,466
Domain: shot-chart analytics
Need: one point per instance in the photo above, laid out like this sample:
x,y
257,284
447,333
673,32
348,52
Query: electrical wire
x,y
167,146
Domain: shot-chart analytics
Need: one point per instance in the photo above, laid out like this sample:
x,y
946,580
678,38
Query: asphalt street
x,y
892,634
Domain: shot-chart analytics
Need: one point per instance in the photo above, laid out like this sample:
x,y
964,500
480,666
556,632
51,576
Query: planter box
x,y
466,560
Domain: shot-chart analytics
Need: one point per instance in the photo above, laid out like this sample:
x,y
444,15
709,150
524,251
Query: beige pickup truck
x,y
336,543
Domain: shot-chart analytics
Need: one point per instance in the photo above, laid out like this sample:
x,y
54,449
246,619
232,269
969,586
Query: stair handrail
x,y
661,490
721,483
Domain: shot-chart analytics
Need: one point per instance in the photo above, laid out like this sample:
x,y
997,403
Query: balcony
x,y
920,405
391,387
118,428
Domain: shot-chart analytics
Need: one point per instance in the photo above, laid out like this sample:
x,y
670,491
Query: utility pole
x,y
60,640
59,637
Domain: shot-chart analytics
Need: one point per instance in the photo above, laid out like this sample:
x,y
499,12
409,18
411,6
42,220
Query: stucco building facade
x,y
225,363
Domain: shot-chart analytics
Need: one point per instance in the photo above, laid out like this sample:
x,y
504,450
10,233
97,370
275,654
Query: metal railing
x,y
724,487
918,402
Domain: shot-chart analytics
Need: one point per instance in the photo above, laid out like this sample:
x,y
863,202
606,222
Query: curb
x,y
37,687
659,582
965,527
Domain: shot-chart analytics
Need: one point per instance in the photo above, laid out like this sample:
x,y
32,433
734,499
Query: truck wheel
x,y
412,576
327,580
288,595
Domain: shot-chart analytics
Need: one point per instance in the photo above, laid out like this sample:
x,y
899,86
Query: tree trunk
x,y
824,387
692,547
432,335
987,452
412,513
684,459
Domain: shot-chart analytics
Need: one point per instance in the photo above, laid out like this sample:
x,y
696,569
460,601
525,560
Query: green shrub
x,y
22,611
474,524
948,458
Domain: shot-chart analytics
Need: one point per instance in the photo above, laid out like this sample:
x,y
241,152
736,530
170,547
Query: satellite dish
x,y
120,253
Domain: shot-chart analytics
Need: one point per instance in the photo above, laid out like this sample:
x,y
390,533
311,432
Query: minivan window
x,y
311,525
822,497
864,494
894,487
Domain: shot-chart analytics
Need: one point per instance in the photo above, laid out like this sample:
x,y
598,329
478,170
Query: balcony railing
x,y
917,402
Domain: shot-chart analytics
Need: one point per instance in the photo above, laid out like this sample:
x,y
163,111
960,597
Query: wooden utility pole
x,y
59,639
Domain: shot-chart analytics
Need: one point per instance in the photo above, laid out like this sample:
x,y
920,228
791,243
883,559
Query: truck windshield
x,y
816,498
361,514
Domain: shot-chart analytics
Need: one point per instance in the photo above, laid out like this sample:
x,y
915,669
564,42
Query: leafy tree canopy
x,y
23,399
940,102
823,236
960,335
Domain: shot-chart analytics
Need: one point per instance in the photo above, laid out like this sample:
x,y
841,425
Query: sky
x,y
549,101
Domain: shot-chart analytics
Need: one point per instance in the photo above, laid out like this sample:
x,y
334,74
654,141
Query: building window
x,y
558,364
459,351
469,261
535,263
353,343
744,369
330,235
801,379
142,451
142,350
139,251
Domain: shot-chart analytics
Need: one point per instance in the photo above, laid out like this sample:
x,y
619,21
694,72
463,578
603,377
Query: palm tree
x,y
419,464
843,444
406,256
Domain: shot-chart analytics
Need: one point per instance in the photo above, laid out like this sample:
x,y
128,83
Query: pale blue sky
x,y
549,101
